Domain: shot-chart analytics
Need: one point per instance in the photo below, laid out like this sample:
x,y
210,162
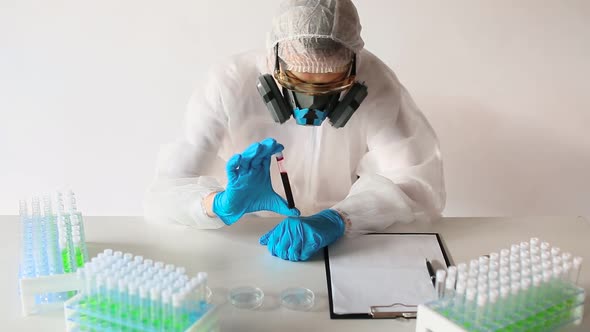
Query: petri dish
x,y
297,298
246,297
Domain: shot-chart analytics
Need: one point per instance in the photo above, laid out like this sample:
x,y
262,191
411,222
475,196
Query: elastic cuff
x,y
203,205
346,219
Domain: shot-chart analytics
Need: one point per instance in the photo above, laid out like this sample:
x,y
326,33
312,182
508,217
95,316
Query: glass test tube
x,y
285,179
440,281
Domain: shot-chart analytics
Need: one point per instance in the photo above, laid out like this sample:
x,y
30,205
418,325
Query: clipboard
x,y
393,308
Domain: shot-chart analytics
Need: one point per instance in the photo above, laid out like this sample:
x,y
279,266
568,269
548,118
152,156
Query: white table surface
x,y
233,257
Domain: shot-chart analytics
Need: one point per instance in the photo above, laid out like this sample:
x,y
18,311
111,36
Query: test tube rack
x,y
122,292
53,246
531,287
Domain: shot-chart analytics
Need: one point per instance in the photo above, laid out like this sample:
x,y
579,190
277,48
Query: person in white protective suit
x,y
375,162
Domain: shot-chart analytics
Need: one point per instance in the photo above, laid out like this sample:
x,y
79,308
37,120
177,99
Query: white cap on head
x,y
316,36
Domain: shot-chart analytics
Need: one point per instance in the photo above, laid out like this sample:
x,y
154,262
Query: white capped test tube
x,y
504,291
534,241
452,272
576,267
133,295
524,245
494,285
494,256
493,298
504,271
494,266
537,280
460,290
557,272
470,295
462,276
567,271
482,279
525,284
449,287
547,275
482,302
144,302
545,246
514,287
515,276
526,273
440,283
482,288
169,268
525,262
155,305
504,253
515,266
555,251
123,297
483,260
483,269
462,267
112,293
504,280
178,310
203,286
473,264
138,259
504,261
167,308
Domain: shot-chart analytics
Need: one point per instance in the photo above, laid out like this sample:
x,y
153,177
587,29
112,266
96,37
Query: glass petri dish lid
x,y
297,298
246,297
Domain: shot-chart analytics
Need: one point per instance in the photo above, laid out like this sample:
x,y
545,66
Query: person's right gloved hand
x,y
249,188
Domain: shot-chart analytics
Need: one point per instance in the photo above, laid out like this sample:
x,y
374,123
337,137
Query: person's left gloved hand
x,y
298,238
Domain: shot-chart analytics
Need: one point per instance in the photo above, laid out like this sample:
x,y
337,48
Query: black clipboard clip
x,y
377,312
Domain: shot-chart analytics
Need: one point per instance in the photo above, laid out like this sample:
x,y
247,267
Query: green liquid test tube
x,y
155,306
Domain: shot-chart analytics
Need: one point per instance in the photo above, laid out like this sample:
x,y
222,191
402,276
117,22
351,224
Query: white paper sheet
x,y
382,269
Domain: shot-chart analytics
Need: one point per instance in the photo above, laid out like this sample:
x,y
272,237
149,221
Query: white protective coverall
x,y
383,167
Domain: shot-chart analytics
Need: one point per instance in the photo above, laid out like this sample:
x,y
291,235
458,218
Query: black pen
x,y
431,272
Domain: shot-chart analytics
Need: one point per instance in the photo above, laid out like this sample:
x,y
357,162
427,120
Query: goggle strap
x,y
277,57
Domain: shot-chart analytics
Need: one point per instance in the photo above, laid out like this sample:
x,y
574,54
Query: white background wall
x,y
90,88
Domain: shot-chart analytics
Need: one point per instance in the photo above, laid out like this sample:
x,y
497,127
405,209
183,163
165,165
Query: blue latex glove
x,y
249,188
298,238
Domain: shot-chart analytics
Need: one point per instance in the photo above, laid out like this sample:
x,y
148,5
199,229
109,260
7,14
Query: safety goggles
x,y
289,81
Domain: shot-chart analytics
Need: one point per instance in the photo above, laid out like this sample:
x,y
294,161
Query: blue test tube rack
x,y
530,287
122,292
53,246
